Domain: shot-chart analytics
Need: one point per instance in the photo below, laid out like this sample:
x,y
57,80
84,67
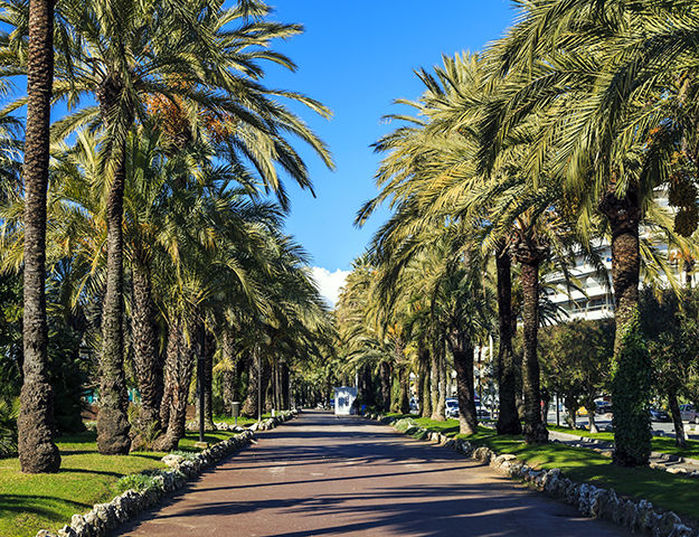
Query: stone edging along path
x,y
105,517
591,501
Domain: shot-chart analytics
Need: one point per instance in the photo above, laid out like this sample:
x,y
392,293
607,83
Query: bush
x,y
631,385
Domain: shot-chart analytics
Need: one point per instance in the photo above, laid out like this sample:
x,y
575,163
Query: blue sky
x,y
357,57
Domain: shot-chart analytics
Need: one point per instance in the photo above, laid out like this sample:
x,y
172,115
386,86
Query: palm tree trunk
x,y
206,350
112,421
462,350
508,418
437,410
229,375
631,380
403,389
37,450
286,400
423,380
149,368
443,376
534,429
179,366
385,371
267,399
249,407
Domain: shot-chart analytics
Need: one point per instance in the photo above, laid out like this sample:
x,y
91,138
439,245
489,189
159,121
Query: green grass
x,y
29,503
661,444
667,491
242,421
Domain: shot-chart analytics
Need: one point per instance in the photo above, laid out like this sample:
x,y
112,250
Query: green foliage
x,y
576,358
138,482
9,410
631,386
10,335
671,330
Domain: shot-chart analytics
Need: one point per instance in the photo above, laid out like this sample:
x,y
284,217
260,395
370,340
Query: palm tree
x,y
37,450
608,84
193,66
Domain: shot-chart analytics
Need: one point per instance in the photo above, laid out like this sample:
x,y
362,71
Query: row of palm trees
x,y
562,133
157,177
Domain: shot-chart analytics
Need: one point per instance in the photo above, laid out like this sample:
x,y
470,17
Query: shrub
x,y
631,385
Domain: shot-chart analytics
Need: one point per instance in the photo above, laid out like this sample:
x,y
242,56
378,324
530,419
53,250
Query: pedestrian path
x,y
321,475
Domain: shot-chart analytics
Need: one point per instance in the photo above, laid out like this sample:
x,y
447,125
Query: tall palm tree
x,y
609,85
37,450
189,56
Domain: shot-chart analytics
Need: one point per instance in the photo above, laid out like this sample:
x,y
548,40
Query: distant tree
x,y
575,362
671,327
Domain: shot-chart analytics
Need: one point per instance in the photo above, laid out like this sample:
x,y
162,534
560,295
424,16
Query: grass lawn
x,y
661,444
29,503
242,421
664,490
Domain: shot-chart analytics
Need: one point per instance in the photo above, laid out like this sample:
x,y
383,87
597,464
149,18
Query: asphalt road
x,y
319,475
603,420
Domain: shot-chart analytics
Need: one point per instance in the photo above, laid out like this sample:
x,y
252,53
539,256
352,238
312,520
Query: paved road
x,y
324,476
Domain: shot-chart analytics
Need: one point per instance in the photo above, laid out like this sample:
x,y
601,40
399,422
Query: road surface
x,y
319,475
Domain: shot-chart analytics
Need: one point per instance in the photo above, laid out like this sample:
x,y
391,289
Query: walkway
x,y
320,475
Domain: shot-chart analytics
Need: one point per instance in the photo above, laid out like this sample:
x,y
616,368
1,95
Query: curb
x,y
591,501
106,517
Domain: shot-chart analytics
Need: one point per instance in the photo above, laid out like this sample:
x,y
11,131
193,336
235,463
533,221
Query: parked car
x,y
688,413
482,413
603,407
452,408
659,415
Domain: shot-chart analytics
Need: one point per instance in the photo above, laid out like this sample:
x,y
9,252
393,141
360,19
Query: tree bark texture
x,y
285,378
249,407
147,362
403,390
462,350
37,450
437,411
443,377
112,421
680,437
207,355
534,429
424,383
508,417
179,367
631,380
385,373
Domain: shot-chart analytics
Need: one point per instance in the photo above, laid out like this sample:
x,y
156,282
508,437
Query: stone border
x,y
105,517
591,501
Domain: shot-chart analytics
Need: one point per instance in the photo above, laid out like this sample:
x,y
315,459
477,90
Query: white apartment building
x,y
597,302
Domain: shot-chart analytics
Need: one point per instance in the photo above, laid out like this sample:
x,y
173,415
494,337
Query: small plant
x,y
187,455
138,482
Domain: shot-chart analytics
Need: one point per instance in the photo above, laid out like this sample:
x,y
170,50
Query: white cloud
x,y
329,283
